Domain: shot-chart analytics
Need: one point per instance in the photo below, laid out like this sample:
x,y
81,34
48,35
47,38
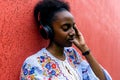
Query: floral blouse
x,y
44,66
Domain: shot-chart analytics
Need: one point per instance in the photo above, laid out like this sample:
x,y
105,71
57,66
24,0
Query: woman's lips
x,y
71,40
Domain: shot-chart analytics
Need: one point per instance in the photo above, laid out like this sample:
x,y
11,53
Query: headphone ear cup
x,y
46,32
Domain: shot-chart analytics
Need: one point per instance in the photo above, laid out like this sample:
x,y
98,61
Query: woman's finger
x,y
76,31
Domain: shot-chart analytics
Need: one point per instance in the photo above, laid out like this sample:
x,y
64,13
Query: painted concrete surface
x,y
98,20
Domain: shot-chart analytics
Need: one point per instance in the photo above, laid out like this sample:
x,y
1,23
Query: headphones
x,y
46,31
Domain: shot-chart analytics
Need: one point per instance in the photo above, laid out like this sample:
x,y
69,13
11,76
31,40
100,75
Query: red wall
x,y
98,20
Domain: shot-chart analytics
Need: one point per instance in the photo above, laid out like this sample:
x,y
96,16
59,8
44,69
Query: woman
x,y
59,61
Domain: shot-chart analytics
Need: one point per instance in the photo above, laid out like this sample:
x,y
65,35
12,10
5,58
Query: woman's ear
x,y
38,17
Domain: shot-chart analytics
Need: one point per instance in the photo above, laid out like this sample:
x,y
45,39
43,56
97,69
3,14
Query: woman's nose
x,y
72,32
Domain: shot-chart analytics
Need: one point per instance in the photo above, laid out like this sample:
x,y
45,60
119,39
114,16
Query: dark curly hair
x,y
47,9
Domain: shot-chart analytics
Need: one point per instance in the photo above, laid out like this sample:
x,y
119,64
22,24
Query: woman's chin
x,y
69,45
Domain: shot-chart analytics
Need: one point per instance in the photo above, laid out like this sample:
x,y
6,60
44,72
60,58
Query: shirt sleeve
x,y
29,71
107,75
87,72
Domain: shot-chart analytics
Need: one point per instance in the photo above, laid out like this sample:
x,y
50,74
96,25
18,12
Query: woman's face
x,y
63,27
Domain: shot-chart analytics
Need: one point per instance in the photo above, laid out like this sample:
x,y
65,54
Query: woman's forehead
x,y
63,16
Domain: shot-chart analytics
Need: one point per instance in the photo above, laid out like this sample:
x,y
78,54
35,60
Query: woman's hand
x,y
79,40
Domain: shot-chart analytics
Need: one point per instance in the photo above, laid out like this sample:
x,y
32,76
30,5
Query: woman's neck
x,y
56,50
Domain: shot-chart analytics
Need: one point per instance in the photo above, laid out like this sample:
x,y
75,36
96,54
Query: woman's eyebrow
x,y
68,24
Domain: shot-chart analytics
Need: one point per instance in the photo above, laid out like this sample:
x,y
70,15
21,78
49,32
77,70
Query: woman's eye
x,y
66,27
